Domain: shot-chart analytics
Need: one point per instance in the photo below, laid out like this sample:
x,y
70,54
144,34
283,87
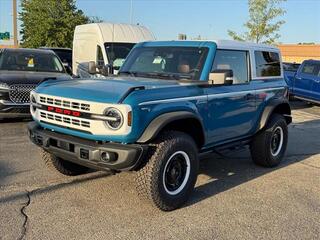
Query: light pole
x,y
131,11
15,25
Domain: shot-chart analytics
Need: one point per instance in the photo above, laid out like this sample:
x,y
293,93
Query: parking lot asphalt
x,y
233,199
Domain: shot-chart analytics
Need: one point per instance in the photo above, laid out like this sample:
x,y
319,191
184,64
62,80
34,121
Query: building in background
x,y
299,52
6,46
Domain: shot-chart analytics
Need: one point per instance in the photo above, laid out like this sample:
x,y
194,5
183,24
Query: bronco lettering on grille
x,y
64,111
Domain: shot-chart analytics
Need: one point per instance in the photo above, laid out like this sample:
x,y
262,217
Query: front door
x,y
303,82
231,108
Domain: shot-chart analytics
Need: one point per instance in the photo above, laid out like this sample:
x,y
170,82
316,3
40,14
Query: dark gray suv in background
x,y
21,70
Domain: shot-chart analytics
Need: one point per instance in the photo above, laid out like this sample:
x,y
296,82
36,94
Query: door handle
x,y
317,81
298,78
250,96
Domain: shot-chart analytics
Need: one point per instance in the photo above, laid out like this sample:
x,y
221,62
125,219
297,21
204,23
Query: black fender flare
x,y
157,124
271,107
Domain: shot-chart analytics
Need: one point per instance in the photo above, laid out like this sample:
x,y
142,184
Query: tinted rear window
x,y
267,64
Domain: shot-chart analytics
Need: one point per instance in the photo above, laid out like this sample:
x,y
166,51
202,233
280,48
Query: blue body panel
x,y
289,77
109,90
227,112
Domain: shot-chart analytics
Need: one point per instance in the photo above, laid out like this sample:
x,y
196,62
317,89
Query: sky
x,y
210,19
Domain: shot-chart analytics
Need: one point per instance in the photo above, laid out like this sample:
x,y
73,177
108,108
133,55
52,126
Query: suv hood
x,y
26,77
109,90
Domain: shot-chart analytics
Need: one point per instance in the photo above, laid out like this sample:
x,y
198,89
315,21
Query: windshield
x,y
117,53
166,62
28,61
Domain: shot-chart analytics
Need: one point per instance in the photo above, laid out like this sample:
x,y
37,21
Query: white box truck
x,y
99,48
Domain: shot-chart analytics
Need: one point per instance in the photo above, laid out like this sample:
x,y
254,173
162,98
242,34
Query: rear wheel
x,y
169,177
268,147
63,166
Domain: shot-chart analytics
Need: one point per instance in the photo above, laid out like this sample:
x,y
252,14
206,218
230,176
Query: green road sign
x,y
4,36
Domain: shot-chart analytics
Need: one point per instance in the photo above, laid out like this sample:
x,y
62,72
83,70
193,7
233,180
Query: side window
x,y
310,68
100,61
267,64
237,61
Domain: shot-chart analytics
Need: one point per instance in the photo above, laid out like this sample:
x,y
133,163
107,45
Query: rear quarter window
x,y
267,64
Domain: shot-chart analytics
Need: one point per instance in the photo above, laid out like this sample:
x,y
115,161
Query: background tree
x,y
50,22
262,25
94,19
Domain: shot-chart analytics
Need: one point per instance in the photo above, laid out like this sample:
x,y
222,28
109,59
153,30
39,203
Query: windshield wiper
x,y
161,75
132,74
173,76
137,74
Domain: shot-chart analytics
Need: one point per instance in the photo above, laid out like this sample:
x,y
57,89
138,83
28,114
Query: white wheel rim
x,y
279,148
186,177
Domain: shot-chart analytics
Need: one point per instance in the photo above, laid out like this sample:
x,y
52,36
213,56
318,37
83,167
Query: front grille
x,y
65,103
62,119
20,93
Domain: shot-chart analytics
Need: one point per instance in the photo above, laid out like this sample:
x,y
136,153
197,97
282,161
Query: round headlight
x,y
115,120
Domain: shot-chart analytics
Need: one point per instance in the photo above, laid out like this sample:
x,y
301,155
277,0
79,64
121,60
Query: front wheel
x,y
268,146
169,177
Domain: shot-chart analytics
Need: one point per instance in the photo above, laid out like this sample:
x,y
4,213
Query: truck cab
x,y
170,102
100,48
305,83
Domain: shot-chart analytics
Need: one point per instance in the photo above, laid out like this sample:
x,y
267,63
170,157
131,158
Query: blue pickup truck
x,y
171,102
304,83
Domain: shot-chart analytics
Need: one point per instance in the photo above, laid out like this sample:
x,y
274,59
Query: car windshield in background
x,y
166,62
117,53
28,61
292,67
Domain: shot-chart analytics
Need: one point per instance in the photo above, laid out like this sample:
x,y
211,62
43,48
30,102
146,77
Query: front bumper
x,y
9,109
123,157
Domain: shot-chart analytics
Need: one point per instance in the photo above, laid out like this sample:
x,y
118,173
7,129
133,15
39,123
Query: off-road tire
x,y
260,146
64,167
150,180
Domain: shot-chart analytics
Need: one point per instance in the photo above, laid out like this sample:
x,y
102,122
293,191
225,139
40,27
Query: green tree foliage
x,y
263,24
49,22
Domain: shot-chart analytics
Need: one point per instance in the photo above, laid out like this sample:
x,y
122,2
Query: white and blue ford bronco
x,y
171,102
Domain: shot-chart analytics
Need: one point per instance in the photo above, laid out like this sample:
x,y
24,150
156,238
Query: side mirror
x,y
92,67
107,69
221,77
